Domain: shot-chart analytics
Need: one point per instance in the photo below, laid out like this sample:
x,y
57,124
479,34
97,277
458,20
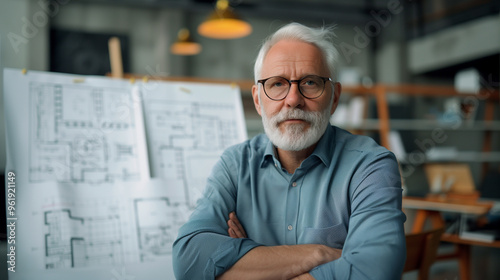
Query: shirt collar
x,y
324,150
269,153
326,146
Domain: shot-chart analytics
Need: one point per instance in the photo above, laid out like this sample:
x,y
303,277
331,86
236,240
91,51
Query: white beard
x,y
295,136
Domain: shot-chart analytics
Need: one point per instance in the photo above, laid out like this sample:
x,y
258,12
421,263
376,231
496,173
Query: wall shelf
x,y
384,125
380,91
463,156
409,124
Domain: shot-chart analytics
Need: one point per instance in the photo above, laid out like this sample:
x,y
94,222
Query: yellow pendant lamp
x,y
223,23
184,44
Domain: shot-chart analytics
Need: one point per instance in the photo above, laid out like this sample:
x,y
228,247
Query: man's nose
x,y
294,99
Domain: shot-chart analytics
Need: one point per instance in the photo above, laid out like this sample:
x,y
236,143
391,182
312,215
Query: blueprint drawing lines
x,y
188,134
82,242
157,224
82,134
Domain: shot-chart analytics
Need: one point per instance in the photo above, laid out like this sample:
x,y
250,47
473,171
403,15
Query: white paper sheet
x,y
188,126
74,129
86,205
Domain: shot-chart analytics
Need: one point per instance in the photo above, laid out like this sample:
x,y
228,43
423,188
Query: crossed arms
x,y
277,262
373,248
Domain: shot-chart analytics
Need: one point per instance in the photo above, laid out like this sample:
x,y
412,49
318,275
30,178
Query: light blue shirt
x,y
346,195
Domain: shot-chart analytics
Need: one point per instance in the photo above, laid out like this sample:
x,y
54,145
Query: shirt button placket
x,y
292,212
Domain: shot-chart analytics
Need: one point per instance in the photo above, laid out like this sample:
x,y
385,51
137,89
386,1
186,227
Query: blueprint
x,y
82,133
157,221
107,170
188,126
99,232
78,241
75,129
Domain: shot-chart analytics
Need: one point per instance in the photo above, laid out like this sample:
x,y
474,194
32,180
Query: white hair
x,y
321,37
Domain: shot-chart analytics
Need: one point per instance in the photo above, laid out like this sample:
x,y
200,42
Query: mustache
x,y
295,113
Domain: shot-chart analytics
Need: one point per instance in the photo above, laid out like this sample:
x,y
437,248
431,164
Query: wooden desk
x,y
431,208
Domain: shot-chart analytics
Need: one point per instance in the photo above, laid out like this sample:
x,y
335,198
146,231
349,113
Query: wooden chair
x,y
421,251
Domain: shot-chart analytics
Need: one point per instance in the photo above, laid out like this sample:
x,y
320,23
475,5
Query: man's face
x,y
295,123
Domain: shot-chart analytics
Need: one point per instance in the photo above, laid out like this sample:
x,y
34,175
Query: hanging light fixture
x,y
223,23
184,44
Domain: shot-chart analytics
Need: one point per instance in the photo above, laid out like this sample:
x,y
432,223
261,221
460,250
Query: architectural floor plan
x,y
157,221
188,127
82,133
109,170
82,241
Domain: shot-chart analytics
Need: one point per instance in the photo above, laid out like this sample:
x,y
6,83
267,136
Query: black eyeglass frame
x,y
263,81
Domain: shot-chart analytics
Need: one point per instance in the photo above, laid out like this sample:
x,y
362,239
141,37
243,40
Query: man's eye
x,y
309,83
277,84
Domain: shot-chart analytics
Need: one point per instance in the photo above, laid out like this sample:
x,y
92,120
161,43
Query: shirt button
x,y
275,165
290,227
294,184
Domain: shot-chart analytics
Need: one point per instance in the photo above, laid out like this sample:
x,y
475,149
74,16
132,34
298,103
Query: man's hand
x,y
235,229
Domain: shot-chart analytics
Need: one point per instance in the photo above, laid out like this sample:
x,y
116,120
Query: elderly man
x,y
306,200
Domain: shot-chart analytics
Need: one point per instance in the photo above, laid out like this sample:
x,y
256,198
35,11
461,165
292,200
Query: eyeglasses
x,y
277,88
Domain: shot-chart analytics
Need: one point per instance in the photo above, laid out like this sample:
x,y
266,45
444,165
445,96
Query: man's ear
x,y
336,96
255,95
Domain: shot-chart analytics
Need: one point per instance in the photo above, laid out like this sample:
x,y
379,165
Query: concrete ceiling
x,y
339,11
